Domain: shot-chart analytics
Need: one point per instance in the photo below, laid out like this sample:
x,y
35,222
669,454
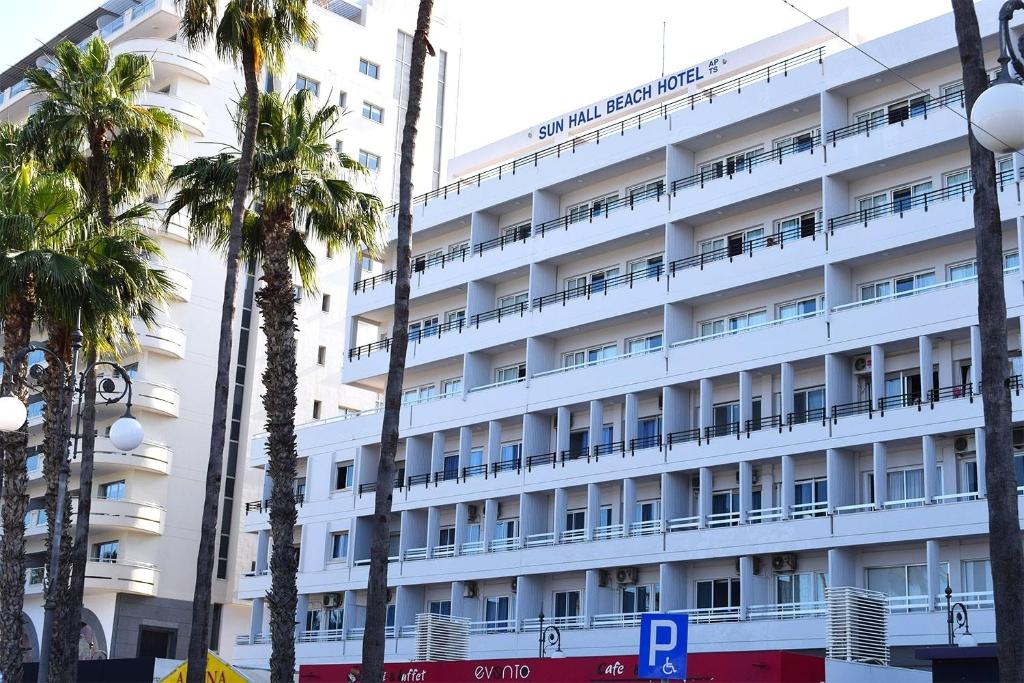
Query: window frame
x,y
366,66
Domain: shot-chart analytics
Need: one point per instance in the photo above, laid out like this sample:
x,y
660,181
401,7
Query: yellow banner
x,y
217,671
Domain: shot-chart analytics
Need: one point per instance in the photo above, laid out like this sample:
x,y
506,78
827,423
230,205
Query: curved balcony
x,y
170,57
123,576
150,457
189,114
156,397
181,280
176,230
165,339
123,514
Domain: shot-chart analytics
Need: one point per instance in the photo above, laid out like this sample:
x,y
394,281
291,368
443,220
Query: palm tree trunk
x,y
80,551
276,300
377,582
17,318
199,639
1005,552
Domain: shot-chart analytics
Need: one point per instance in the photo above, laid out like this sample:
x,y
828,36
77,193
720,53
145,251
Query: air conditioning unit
x,y
862,364
514,583
786,562
604,577
960,444
469,589
332,599
473,512
626,575
756,567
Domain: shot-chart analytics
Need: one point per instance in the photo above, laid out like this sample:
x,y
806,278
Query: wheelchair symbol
x,y
668,668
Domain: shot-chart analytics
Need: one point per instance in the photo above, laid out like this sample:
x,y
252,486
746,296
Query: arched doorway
x,y
29,640
92,643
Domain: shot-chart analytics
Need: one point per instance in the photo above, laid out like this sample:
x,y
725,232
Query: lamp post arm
x,y
1007,55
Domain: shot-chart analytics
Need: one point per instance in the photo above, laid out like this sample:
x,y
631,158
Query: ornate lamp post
x,y
956,619
549,636
997,118
125,434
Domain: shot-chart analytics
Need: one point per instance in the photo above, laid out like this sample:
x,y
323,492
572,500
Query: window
x,y
649,266
578,284
105,552
590,208
901,198
809,492
895,112
339,146
734,163
969,269
808,404
644,344
513,303
459,249
369,160
321,355
648,427
977,576
506,529
446,536
423,328
450,466
325,303
498,610
905,485
342,100
956,178
339,545
418,394
316,410
902,286
904,581
373,112
576,520
456,319
797,227
605,516
307,83
510,374
591,356
510,452
343,475
636,599
579,441
797,142
476,458
718,593
113,490
515,233
567,604
647,511
368,68
733,323
733,244
726,414
799,309
442,607
800,588
451,387
651,189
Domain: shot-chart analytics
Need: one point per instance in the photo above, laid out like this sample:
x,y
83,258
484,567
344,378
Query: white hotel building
x,y
711,356
147,504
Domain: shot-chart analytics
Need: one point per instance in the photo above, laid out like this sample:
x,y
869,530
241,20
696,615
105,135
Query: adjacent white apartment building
x,y
147,504
709,346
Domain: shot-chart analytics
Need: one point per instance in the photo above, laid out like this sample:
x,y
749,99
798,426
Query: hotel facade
x,y
144,525
712,352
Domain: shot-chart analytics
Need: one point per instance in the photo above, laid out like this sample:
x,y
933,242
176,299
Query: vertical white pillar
x,y
672,577
924,350
980,456
674,409
704,497
490,522
433,528
437,452
590,595
562,430
596,423
593,510
746,583
706,416
788,378
461,520
880,468
458,599
256,618
842,568
931,476
628,504
301,608
877,374
465,446
841,471
558,523
976,378
746,398
350,617
746,489
632,418
493,442
936,584
788,485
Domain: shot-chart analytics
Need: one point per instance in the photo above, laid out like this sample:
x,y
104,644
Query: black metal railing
x,y
964,390
588,214
414,479
474,470
853,408
257,506
519,233
372,486
747,247
894,116
765,74
446,475
540,460
507,311
749,163
800,417
367,349
899,401
423,262
922,201
506,465
683,436
725,429
641,442
654,271
609,448
571,454
372,282
763,422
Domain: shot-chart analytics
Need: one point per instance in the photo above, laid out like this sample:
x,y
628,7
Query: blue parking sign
x,y
663,646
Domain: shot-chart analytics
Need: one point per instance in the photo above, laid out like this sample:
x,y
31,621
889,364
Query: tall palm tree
x,y
1005,552
38,214
254,33
377,582
299,188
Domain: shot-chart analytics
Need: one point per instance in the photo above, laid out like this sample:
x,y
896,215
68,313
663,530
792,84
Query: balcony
x,y
162,338
180,279
190,115
125,514
155,397
123,576
169,57
772,157
900,117
151,456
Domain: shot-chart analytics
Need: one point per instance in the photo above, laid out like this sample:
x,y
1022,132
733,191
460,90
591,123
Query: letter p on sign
x,y
663,639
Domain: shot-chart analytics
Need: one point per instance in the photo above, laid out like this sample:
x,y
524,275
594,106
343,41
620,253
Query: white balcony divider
x,y
444,551
723,519
440,638
908,603
472,548
492,385
412,554
859,507
499,545
956,497
322,636
903,503
620,620
975,600
710,615
573,622
857,625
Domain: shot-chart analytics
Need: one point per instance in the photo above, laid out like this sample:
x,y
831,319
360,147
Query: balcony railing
x,y
917,290
588,214
493,626
922,201
519,233
900,116
787,610
748,164
542,539
506,465
751,328
586,291
598,361
748,247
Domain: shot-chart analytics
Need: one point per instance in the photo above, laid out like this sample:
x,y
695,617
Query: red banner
x,y
722,667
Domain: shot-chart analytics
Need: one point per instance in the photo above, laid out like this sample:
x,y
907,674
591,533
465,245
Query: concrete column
x,y
842,568
490,522
936,582
838,379
877,374
673,497
536,434
437,452
706,416
788,485
980,452
675,409
593,510
786,393
353,616
746,399
458,599
746,489
880,467
465,446
433,529
746,583
932,485
924,350
562,430
590,603
493,442
558,523
842,478
704,497
596,423
529,596
301,608
628,503
461,517
262,549
976,377
632,418
672,577
256,617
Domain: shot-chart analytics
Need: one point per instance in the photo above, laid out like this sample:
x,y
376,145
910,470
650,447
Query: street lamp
x,y
997,118
957,612
125,434
549,636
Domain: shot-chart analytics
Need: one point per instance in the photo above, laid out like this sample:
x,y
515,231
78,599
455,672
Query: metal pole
x,y
540,636
50,604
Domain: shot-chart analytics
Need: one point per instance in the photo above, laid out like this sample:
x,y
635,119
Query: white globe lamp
x,y
997,119
966,640
126,434
13,414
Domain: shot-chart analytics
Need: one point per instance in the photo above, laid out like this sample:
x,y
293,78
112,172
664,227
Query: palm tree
x,y
377,582
256,34
1005,552
299,187
38,213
